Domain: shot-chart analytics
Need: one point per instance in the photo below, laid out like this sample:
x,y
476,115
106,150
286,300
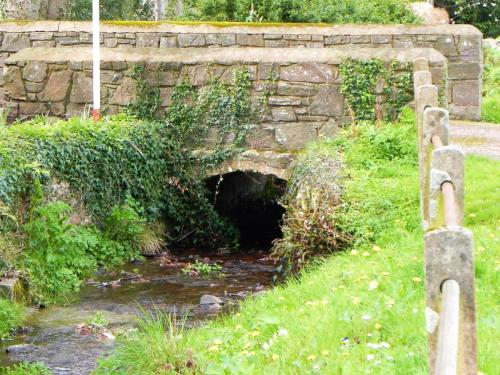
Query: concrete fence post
x,y
450,160
449,256
435,122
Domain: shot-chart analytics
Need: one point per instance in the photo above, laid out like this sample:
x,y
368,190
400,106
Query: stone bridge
x,y
47,68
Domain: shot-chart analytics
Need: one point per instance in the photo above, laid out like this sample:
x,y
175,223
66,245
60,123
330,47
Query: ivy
x,y
361,81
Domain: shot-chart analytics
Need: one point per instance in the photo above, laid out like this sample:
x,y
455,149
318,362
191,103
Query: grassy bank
x,y
355,312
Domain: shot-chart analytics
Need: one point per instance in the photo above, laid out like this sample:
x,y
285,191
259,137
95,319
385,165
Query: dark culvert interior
x,y
250,201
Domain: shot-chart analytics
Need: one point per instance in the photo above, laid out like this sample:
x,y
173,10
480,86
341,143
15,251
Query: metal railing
x,y
449,259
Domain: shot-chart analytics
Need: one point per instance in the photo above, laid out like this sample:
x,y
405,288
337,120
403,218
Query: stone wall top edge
x,y
226,55
239,28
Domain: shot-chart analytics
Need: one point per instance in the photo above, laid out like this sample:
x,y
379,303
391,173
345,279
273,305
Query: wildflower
x,y
316,367
385,273
238,327
334,289
312,357
245,352
217,342
325,353
377,326
281,298
366,317
344,353
275,357
417,279
366,254
389,358
354,252
213,348
282,332
247,345
472,215
355,301
341,286
385,345
370,357
376,248
324,301
364,277
311,303
254,333
373,285
373,346
266,346
480,248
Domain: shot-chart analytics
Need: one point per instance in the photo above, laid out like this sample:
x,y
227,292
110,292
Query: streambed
x,y
57,335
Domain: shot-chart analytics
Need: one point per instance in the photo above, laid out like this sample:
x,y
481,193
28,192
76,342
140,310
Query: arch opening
x,y
250,200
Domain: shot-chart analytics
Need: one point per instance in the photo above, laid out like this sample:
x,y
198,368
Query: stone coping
x,y
238,28
226,56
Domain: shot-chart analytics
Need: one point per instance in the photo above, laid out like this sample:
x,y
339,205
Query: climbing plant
x,y
361,79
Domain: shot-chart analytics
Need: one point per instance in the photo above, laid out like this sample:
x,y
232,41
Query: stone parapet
x,y
303,86
460,44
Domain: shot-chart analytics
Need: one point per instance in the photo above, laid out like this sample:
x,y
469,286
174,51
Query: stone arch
x,y
250,199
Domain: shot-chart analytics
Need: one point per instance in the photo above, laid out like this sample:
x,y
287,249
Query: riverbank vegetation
x,y
361,310
78,195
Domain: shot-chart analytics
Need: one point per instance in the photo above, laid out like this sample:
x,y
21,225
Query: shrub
x,y
25,368
340,11
484,14
10,317
491,79
110,10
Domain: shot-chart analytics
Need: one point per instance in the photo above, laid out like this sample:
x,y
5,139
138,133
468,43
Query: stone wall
x,y
460,44
305,100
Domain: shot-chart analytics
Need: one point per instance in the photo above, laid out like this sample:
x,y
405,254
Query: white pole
x,y
96,57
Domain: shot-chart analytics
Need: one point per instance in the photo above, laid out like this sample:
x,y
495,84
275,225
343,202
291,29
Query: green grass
x,y
356,312
10,317
491,83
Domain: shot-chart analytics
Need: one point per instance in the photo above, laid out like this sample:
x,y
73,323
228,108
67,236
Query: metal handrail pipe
x,y
449,325
450,204
436,141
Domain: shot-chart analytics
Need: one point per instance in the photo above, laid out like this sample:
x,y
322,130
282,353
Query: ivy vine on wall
x,y
374,91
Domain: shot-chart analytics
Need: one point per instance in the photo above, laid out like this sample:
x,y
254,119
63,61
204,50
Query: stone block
x,y
13,42
464,70
35,71
466,93
41,35
273,36
74,109
446,45
357,39
228,39
213,39
381,39
13,83
57,86
44,44
125,93
403,42
33,86
110,42
7,288
57,109
253,40
284,101
147,40
327,102
295,135
168,42
166,96
294,89
191,40
28,109
262,138
308,72
279,43
81,91
111,77
337,39
284,114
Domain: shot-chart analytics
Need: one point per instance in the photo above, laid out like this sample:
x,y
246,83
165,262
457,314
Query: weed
x,y
202,269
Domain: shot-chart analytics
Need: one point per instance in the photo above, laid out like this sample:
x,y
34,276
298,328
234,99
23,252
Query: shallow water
x,y
64,349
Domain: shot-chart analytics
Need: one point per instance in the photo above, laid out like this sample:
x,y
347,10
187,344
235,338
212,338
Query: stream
x,y
58,336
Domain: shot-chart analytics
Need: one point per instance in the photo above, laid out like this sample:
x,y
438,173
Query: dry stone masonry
x,y
460,44
305,101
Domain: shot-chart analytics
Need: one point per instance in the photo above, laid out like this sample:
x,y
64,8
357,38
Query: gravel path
x,y
476,138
